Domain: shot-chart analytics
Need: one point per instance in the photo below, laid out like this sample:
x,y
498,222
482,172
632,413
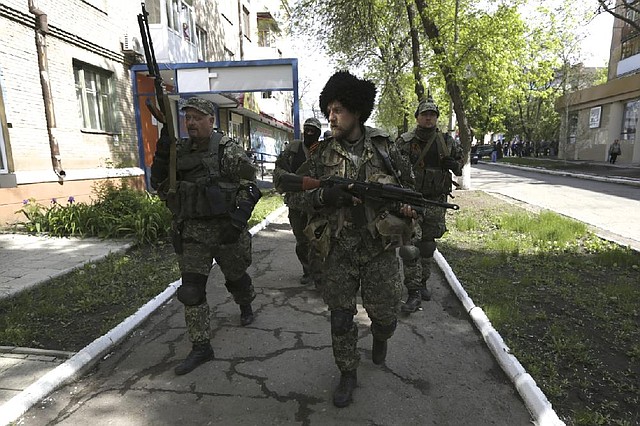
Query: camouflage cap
x,y
313,122
427,105
202,105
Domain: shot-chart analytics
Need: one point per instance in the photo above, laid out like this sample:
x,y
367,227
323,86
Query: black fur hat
x,y
356,95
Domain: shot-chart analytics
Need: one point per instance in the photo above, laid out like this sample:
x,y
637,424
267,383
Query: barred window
x,y
95,97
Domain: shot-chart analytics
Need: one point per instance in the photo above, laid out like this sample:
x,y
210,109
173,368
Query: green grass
x,y
566,302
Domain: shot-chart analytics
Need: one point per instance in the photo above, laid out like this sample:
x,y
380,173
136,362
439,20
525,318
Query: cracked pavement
x,y
280,369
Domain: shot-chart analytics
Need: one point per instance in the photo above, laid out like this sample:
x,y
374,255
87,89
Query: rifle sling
x,y
426,149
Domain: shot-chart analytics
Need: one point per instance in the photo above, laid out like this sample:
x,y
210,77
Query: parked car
x,y
479,151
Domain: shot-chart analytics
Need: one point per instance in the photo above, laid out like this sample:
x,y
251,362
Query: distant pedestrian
x,y
614,150
494,153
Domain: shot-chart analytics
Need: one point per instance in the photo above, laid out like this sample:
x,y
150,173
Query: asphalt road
x,y
603,205
280,370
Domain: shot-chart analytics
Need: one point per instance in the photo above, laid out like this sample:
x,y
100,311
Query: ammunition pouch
x,y
318,233
200,201
433,182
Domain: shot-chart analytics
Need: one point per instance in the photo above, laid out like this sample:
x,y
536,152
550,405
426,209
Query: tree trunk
x,y
453,89
415,53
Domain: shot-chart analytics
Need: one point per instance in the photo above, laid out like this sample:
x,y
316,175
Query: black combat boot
x,y
413,302
425,293
344,391
379,351
200,353
246,315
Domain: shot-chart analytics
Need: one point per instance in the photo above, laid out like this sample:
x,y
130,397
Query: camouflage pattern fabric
x,y
200,241
357,259
433,224
198,323
357,263
298,218
202,105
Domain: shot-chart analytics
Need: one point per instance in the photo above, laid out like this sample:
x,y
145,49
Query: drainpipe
x,y
42,29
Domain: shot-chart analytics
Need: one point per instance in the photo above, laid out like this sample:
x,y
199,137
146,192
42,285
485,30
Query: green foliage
x,y
565,302
118,212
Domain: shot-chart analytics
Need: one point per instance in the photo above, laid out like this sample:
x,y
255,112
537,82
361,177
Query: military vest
x,y
430,181
202,192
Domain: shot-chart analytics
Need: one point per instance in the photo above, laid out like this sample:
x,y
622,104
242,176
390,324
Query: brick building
x,y
67,113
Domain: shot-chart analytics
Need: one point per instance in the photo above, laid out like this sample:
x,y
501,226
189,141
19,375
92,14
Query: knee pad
x,y
240,284
341,322
383,331
426,248
193,290
409,253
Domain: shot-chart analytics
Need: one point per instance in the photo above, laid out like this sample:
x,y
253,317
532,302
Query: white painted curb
x,y
11,410
535,400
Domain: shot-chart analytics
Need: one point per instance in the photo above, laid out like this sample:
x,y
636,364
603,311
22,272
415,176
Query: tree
x,y
620,9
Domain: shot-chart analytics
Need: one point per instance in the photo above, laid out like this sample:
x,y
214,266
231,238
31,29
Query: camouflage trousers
x,y
298,221
196,243
357,261
417,273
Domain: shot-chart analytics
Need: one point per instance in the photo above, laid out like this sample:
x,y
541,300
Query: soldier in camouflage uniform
x,y
346,229
214,198
433,155
289,161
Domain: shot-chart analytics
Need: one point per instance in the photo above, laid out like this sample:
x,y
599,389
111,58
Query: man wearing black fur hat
x,y
433,155
352,235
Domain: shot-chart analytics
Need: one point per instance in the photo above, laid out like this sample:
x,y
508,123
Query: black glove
x,y
449,163
336,196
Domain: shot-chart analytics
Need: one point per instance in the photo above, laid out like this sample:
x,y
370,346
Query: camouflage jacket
x,y
333,159
431,179
286,163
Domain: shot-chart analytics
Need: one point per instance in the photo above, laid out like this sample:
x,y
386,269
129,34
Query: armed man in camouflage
x,y
433,156
289,161
215,196
356,237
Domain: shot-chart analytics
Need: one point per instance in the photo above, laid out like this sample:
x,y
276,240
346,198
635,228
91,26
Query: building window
x,y
264,38
572,127
201,40
267,95
95,97
246,23
630,120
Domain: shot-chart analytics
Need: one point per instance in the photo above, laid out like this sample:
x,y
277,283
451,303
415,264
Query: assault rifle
x,y
394,194
161,112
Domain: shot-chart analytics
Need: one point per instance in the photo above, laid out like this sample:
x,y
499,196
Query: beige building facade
x,y
593,118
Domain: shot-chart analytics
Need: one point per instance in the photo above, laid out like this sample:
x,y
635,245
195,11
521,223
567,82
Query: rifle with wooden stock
x,y
162,111
388,193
